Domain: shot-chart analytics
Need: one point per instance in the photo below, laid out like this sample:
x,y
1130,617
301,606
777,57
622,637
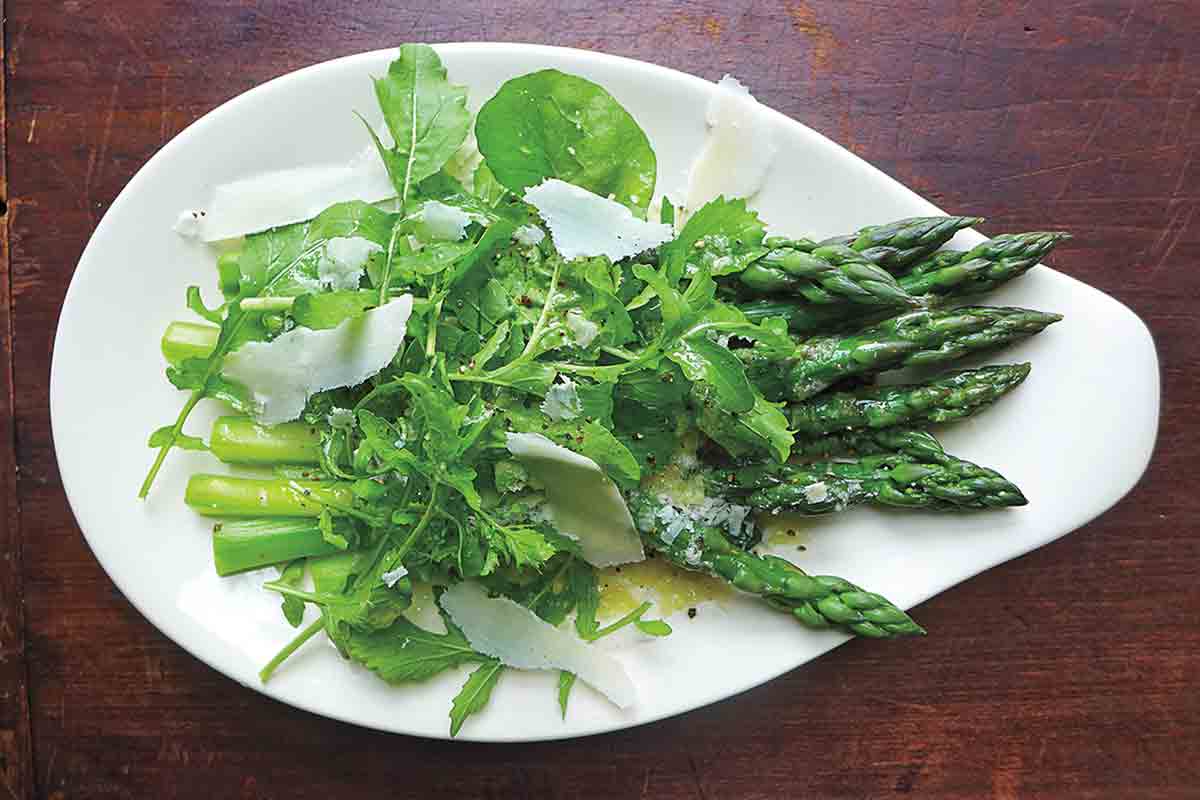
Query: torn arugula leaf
x,y
426,115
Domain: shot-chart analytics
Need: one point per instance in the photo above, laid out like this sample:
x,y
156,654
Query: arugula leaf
x,y
474,694
763,428
549,124
192,374
666,214
283,261
293,608
614,458
498,234
520,546
325,524
723,236
596,282
581,436
425,113
704,360
487,188
163,436
566,680
330,309
195,303
566,583
403,652
442,417
652,627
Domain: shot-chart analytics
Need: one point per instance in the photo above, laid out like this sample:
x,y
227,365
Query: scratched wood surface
x,y
1068,673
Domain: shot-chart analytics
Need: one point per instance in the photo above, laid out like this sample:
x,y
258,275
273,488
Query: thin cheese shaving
x,y
583,502
583,224
562,401
739,149
529,235
283,373
285,196
500,628
583,329
440,221
343,260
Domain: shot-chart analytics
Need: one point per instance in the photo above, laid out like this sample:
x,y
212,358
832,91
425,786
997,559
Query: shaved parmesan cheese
x,y
282,374
440,221
583,502
343,260
392,577
285,196
583,329
583,224
739,150
562,401
816,492
187,224
710,512
500,628
529,235
340,418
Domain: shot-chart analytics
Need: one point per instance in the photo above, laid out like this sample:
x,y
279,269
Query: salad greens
x,y
682,359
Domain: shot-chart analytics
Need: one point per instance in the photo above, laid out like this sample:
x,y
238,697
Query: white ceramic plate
x,y
108,393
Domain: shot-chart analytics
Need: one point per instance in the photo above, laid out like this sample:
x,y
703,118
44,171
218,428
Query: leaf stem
x,y
295,644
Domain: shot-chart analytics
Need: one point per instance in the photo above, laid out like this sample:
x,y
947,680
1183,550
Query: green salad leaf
x,y
426,115
549,124
723,236
474,694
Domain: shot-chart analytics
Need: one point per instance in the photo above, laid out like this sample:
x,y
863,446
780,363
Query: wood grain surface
x,y
1068,673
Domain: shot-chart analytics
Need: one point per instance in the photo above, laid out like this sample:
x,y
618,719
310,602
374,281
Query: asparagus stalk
x,y
240,440
908,441
898,245
949,397
945,275
896,479
182,340
230,496
817,601
919,338
826,275
982,268
240,545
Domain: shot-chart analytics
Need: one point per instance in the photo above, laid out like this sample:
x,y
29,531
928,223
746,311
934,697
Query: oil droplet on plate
x,y
670,589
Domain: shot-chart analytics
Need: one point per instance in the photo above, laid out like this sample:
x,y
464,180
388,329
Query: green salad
x,y
510,363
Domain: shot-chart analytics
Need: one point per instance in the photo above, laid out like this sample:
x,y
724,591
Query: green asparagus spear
x,y
826,275
982,268
900,244
229,496
908,441
241,440
895,479
943,276
948,397
182,340
239,545
817,601
919,338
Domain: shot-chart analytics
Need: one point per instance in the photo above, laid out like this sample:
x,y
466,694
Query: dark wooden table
x,y
1067,673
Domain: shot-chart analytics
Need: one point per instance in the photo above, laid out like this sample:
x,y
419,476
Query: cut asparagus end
x,y
245,544
230,496
241,440
183,340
